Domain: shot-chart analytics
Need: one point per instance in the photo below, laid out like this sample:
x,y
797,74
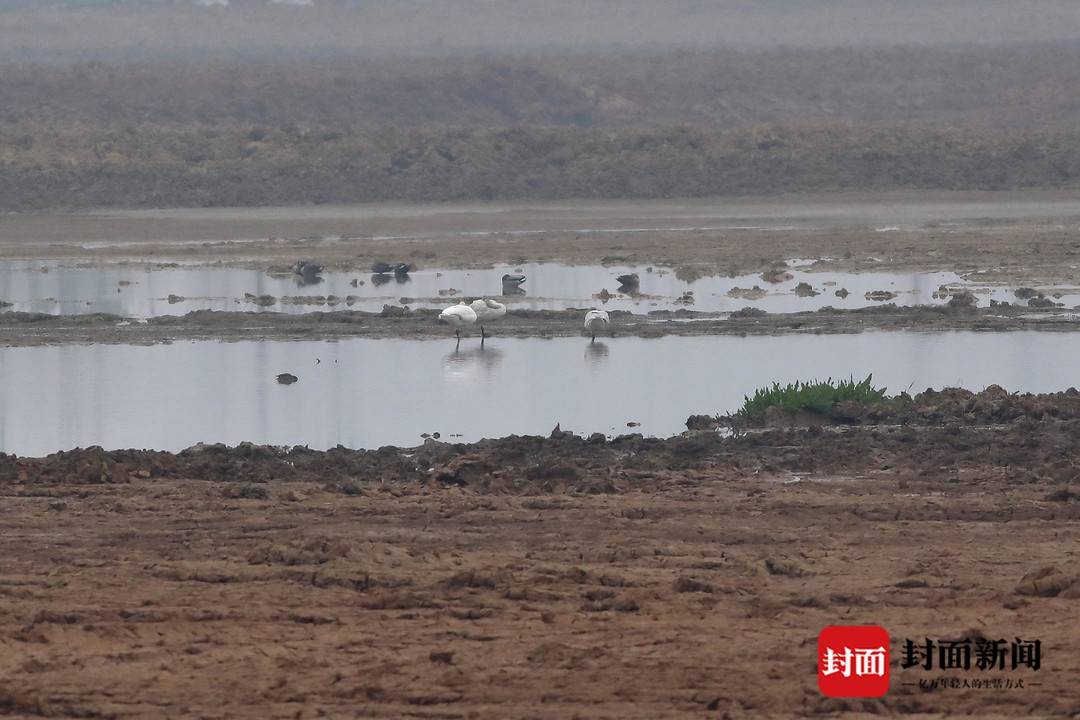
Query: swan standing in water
x,y
596,320
458,316
487,310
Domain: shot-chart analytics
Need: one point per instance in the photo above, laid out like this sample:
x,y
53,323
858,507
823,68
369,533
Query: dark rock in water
x,y
776,275
306,269
394,311
842,293
384,268
513,279
287,378
1026,293
1042,302
805,290
4,304
880,295
963,299
630,280
378,279
173,299
748,312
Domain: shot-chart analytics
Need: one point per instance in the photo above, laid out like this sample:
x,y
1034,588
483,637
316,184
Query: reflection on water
x,y
142,292
462,365
368,393
596,352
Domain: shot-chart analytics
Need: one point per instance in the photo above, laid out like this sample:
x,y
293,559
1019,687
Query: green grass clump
x,y
816,396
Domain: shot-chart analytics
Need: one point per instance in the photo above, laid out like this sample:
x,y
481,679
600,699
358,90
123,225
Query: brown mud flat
x,y
540,577
1018,237
28,329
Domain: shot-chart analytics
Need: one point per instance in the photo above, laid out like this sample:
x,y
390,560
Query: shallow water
x,y
368,393
142,292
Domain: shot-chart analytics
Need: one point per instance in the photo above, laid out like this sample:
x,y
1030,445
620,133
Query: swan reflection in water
x,y
464,364
307,280
596,352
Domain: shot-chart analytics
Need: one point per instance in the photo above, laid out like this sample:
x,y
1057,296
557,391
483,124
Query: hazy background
x,y
41,28
186,102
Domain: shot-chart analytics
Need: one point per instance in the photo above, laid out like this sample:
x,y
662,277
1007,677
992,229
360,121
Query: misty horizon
x,y
169,27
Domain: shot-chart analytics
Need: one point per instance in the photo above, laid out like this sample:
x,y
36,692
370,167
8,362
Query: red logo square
x,y
853,661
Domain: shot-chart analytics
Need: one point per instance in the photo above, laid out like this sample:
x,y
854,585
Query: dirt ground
x,y
542,577
1013,236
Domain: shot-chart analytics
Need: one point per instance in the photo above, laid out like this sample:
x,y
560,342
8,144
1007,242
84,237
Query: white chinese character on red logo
x,y
868,661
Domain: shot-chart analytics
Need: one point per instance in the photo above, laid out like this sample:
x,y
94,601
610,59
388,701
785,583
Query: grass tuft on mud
x,y
816,396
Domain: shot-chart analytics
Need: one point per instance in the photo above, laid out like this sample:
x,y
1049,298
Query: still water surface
x,y
142,292
368,393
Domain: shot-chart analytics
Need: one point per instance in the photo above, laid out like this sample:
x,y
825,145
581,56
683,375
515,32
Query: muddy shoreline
x,y
993,429
29,329
1016,237
629,577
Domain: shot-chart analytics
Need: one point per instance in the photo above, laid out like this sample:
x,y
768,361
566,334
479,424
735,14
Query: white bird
x,y
487,310
596,320
458,316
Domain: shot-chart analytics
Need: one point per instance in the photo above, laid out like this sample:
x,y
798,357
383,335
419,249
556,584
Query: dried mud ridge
x,y
19,328
1020,437
951,407
546,577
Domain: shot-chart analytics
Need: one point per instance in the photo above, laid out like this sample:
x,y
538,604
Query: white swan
x,y
458,316
487,310
596,320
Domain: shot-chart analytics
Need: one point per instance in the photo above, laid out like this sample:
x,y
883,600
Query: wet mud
x,y
540,576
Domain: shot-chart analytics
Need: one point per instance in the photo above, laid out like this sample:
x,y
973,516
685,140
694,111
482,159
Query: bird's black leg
x,y
457,333
483,334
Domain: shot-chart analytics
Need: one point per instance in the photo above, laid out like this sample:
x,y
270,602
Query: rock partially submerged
x,y
880,295
776,275
384,268
260,300
963,299
754,293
